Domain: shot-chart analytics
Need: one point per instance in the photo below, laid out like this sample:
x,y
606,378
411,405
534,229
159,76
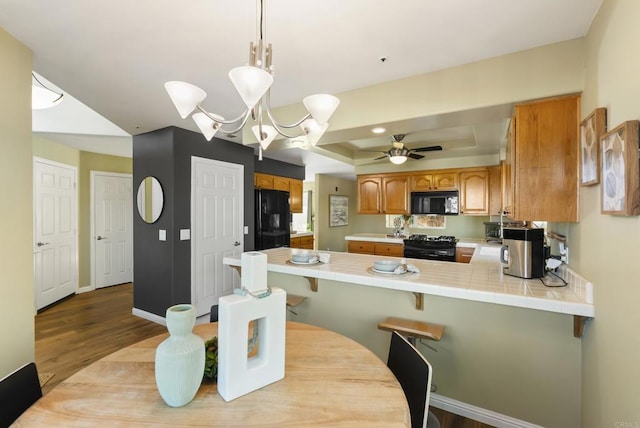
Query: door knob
x,y
100,238
236,244
40,244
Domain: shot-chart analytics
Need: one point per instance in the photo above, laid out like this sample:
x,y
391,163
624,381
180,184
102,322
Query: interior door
x,y
55,231
217,213
112,231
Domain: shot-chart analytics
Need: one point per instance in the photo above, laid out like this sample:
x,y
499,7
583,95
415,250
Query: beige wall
x,y
519,362
86,162
332,238
605,248
16,251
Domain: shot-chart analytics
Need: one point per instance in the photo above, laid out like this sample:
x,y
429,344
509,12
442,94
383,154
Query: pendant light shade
x,y
268,134
251,83
207,126
42,98
185,96
321,106
313,130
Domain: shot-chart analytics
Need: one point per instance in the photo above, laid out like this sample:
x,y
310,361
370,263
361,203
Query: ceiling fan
x,y
398,153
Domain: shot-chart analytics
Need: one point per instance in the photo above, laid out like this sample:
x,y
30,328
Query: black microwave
x,y
443,203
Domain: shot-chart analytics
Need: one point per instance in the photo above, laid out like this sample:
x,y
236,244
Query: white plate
x,y
385,272
305,263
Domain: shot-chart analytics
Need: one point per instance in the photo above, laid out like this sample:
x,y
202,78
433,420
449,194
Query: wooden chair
x,y
413,372
18,391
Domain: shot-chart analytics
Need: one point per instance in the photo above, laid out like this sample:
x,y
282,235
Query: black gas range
x,y
431,247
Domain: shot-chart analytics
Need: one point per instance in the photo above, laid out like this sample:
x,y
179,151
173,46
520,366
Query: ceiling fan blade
x,y
381,157
427,149
415,156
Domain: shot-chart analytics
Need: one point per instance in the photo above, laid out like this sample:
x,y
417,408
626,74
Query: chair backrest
x,y
18,391
413,372
213,317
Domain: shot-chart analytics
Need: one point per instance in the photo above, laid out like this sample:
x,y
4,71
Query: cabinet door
x,y
306,242
295,195
421,183
280,183
369,195
445,181
474,193
361,247
546,160
395,192
296,243
393,250
495,190
464,254
262,181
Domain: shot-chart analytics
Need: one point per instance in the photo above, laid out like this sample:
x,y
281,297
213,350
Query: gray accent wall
x,y
162,269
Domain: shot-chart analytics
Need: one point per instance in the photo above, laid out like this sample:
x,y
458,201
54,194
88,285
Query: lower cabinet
x,y
464,254
305,242
375,248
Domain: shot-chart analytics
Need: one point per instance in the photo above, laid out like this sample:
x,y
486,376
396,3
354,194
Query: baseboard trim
x,y
85,289
149,316
476,413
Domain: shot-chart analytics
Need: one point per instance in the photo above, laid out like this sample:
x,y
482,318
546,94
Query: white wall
x,y
605,248
16,259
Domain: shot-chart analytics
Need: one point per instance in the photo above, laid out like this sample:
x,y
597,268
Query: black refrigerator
x,y
272,219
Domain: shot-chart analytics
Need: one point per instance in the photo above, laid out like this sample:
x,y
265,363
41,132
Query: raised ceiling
x,y
115,56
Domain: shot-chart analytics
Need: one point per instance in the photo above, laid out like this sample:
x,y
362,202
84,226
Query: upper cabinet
x,y
542,161
474,192
295,195
425,182
383,194
275,182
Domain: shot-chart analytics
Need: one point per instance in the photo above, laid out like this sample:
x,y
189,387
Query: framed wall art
x,y
591,129
620,174
338,210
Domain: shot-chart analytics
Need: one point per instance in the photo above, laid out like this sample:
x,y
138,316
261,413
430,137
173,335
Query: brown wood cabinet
x,y
262,181
495,190
360,247
295,195
474,192
369,195
375,248
395,195
305,242
425,182
464,254
393,250
543,161
275,182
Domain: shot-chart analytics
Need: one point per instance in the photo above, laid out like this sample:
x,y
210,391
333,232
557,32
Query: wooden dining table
x,y
330,381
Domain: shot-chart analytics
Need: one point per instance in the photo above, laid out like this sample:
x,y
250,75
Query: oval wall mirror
x,y
150,199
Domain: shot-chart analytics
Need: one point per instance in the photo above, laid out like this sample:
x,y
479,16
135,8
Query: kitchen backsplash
x,y
459,226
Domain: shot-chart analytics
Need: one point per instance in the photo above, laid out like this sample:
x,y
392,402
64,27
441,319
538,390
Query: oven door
x,y
427,253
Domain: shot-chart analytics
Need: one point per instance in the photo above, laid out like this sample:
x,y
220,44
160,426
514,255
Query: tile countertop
x,y
481,280
375,237
299,234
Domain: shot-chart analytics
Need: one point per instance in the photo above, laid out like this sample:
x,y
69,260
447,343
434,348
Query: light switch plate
x,y
162,235
246,230
185,234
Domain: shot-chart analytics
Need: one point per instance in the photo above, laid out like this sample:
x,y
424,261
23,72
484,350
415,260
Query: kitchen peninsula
x,y
501,333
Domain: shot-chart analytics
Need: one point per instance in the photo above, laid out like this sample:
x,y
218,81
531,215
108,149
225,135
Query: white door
x,y
217,213
55,231
112,228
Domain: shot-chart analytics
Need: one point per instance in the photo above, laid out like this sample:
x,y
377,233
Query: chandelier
x,y
41,96
253,83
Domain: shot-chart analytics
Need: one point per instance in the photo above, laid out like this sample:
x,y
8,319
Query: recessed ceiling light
x,y
378,130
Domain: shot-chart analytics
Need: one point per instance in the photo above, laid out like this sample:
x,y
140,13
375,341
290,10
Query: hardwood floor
x,y
77,331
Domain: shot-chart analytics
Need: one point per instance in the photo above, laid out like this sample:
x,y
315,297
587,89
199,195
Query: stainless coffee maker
x,y
523,252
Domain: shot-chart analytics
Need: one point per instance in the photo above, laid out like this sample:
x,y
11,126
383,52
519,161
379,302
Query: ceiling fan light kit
x,y
253,83
398,153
